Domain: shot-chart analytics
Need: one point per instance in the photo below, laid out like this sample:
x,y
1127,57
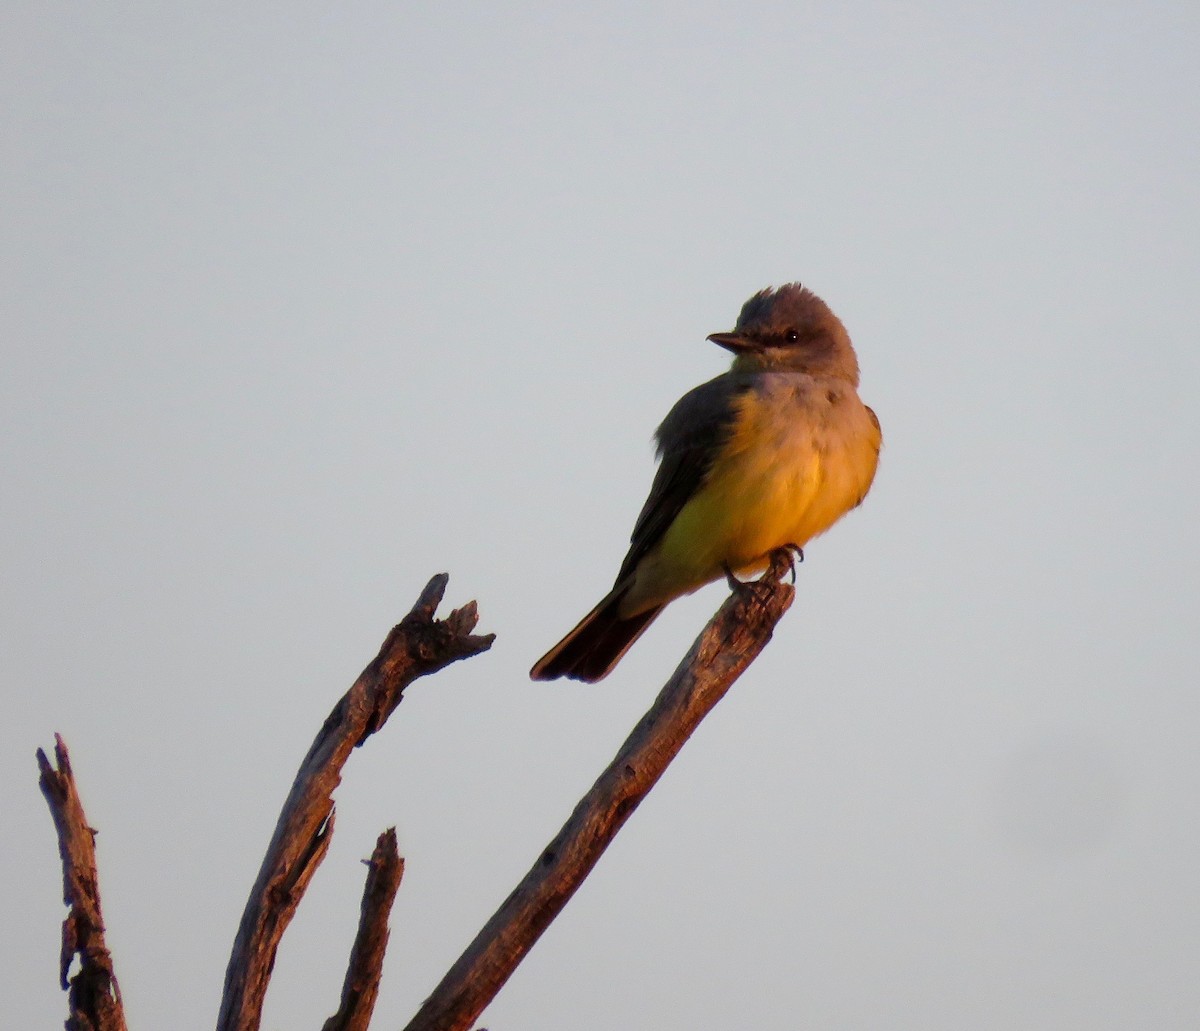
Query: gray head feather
x,y
796,329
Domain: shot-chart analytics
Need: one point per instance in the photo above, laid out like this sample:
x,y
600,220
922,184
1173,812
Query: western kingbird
x,y
766,456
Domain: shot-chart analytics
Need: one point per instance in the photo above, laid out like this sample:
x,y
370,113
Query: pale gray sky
x,y
304,303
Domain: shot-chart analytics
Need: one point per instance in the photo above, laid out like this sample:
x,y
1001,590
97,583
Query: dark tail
x,y
595,646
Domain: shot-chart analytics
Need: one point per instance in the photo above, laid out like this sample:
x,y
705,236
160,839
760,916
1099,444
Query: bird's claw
x,y
779,562
785,559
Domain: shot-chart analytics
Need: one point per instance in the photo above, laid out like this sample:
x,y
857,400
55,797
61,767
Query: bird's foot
x,y
784,560
738,587
748,592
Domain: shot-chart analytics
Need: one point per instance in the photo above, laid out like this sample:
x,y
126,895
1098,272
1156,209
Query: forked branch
x,y
418,645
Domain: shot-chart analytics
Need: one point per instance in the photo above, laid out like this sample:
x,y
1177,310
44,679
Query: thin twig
x,y
93,995
366,957
732,639
417,646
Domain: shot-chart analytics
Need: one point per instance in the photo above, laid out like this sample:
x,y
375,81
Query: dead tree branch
x,y
366,958
93,995
418,645
732,639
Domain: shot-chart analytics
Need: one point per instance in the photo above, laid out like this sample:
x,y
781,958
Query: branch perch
x,y
93,995
418,645
733,638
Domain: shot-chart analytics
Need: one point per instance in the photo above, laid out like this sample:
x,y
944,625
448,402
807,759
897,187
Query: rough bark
x,y
361,986
732,639
93,995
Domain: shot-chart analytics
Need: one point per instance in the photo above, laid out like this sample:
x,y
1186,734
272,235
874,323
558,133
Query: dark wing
x,y
688,441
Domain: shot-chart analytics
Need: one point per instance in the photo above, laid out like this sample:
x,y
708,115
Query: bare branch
x,y
732,639
417,646
366,958
94,997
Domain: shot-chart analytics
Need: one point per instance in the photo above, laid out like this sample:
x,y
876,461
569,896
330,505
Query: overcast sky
x,y
302,304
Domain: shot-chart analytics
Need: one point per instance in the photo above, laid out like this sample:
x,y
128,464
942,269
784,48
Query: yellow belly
x,y
800,457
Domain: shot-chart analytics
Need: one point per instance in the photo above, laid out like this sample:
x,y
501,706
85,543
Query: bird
x,y
765,456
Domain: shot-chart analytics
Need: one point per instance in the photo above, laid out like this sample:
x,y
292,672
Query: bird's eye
x,y
791,336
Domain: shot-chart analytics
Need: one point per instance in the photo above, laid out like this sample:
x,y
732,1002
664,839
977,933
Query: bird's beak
x,y
734,342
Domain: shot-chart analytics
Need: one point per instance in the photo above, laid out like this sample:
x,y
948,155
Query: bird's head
x,y
790,328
